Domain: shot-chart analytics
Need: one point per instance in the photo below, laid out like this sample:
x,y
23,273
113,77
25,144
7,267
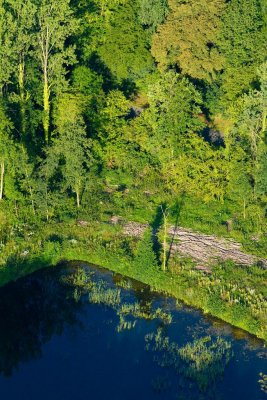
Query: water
x,y
75,332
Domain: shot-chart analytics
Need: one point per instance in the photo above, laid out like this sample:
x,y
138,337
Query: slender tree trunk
x,y
244,208
2,174
16,209
22,97
264,119
164,263
31,195
47,211
78,201
46,116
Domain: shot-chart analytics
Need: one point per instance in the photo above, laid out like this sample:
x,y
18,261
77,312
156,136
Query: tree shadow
x,y
177,212
156,225
97,65
34,308
129,88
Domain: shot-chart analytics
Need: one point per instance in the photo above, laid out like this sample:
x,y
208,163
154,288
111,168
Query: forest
x,y
153,111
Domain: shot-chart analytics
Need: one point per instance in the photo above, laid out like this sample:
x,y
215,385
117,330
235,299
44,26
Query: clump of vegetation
x,y
205,359
263,382
145,312
101,295
202,361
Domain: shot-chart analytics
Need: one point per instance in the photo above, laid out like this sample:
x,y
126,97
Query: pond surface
x,y
80,332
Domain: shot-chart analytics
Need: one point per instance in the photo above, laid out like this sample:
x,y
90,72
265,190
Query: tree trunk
x,y
2,179
22,98
164,264
264,118
78,201
46,116
244,208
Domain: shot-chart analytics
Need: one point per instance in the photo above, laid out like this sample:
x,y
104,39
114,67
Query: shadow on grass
x,y
156,225
17,267
177,212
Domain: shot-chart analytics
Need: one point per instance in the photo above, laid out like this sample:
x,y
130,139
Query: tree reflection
x,y
32,310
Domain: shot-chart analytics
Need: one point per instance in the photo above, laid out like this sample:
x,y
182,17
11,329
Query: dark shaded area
x,y
97,65
213,136
156,225
177,212
33,310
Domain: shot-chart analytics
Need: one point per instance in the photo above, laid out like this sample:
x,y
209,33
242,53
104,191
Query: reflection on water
x,y
77,332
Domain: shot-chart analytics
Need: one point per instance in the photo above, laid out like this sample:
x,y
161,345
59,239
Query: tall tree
x,y
71,149
55,24
6,147
174,105
7,64
23,13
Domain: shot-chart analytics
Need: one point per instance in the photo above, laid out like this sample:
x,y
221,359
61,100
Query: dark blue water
x,y
56,343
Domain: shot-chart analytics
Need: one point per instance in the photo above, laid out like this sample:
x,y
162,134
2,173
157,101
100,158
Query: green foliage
x,y
125,49
83,74
243,44
189,38
152,13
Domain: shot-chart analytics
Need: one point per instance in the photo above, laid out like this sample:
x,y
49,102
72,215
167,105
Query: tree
x,y
199,170
55,24
165,213
7,65
189,38
152,13
174,105
112,116
25,177
125,46
6,147
46,188
106,7
71,149
23,13
243,45
246,146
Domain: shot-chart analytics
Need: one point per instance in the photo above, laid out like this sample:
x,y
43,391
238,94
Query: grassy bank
x,y
234,294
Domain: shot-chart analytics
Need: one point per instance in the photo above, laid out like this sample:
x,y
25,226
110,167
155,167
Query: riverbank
x,y
235,294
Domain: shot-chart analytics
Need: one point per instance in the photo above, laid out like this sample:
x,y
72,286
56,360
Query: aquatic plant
x,y
145,312
203,361
263,382
124,324
101,295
